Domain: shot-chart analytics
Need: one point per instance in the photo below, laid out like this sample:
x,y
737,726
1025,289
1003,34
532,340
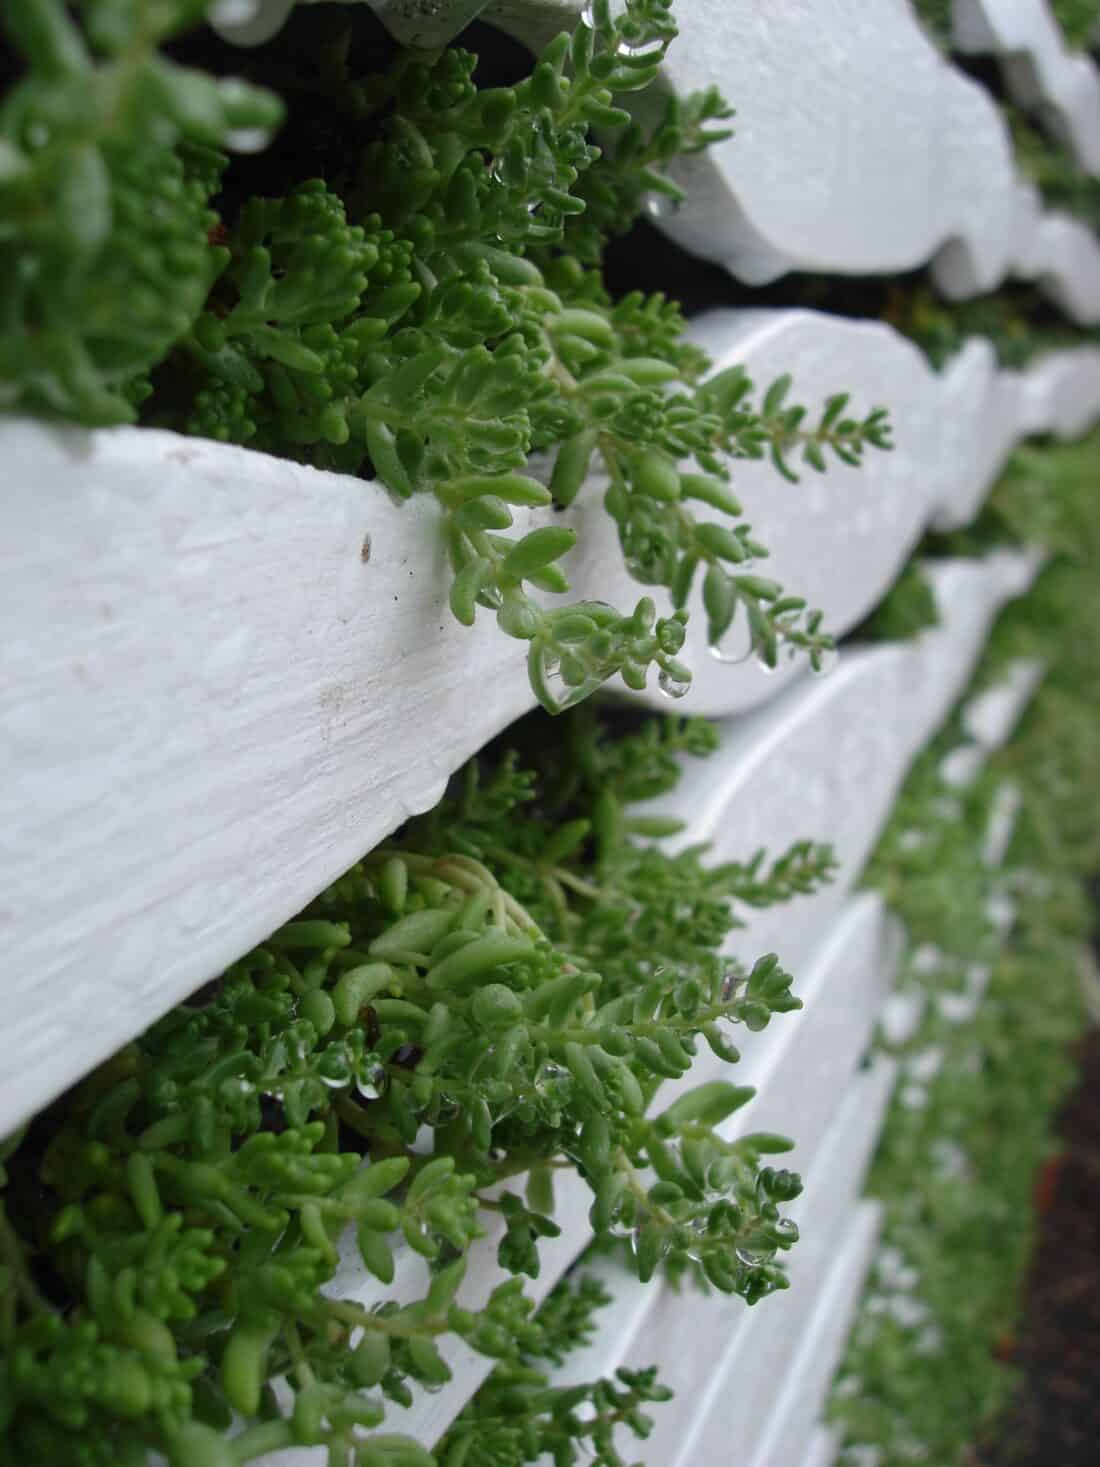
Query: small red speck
x,y
1046,1184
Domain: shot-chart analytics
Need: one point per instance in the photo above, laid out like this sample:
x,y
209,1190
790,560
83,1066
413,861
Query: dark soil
x,y
1054,1421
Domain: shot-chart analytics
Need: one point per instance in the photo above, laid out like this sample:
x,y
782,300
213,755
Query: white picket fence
x,y
224,676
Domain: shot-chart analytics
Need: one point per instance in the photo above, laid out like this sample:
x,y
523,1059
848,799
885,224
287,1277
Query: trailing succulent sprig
x,y
519,1417
431,313
475,331
515,976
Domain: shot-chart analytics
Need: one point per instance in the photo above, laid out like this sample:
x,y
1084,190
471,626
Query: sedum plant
x,y
518,1416
990,1060
491,998
430,313
107,165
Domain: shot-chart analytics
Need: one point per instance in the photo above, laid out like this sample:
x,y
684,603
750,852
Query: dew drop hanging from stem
x,y
736,643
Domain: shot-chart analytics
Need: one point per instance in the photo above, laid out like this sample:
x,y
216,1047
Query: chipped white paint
x,y
211,704
1040,70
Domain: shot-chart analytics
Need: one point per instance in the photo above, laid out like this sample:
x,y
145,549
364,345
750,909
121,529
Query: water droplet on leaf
x,y
659,206
736,643
647,48
247,139
672,687
371,1082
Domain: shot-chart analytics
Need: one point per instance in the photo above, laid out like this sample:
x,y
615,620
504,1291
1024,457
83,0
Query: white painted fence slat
x,y
1040,70
821,1349
859,149
211,705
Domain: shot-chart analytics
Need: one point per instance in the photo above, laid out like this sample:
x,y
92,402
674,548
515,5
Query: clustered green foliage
x,y
1079,20
986,1068
517,973
1015,320
924,864
519,1417
107,163
431,313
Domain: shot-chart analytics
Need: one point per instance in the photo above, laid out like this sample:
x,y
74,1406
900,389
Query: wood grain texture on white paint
x,y
1061,86
212,704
